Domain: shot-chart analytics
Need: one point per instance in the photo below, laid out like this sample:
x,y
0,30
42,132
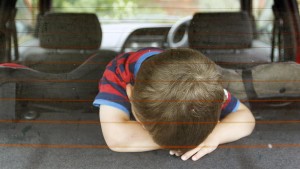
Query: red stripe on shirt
x,y
227,101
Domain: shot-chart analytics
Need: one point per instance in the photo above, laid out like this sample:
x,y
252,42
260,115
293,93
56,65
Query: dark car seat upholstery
x,y
23,89
66,40
70,31
227,38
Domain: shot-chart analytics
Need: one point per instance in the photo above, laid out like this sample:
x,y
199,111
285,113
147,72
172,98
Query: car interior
x,y
49,78
217,38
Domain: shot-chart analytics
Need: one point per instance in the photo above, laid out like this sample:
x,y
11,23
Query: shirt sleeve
x,y
230,105
112,91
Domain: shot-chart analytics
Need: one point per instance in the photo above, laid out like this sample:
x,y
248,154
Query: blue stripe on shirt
x,y
122,68
142,59
232,106
236,106
114,85
113,97
98,102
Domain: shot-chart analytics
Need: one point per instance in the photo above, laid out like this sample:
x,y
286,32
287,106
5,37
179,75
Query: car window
x,y
219,6
165,11
298,1
25,19
264,18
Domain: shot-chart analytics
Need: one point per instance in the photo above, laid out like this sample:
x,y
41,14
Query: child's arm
x,y
123,135
234,126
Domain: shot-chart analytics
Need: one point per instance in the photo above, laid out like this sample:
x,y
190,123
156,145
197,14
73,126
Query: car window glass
x,y
144,10
25,19
219,6
298,1
263,14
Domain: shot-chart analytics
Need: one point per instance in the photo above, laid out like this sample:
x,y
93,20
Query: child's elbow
x,y
115,144
115,147
251,125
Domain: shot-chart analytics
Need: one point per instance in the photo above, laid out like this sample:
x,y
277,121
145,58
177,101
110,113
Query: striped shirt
x,y
123,69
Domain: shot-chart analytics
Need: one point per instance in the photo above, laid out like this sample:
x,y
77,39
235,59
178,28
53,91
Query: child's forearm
x,y
132,138
123,135
234,126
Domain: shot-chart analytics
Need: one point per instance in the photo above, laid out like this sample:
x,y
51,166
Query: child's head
x,y
177,96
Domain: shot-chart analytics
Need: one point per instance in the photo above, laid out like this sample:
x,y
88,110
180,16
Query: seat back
x,y
227,38
220,31
66,40
70,31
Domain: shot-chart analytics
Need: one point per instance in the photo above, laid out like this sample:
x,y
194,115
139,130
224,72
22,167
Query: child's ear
x,y
129,89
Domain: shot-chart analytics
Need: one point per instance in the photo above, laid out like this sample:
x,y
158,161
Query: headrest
x,y
220,31
70,31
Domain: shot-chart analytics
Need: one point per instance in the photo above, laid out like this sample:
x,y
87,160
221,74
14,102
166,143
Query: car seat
x,y
66,40
60,76
227,39
24,89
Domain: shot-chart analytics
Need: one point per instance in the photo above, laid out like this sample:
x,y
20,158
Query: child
x,y
177,100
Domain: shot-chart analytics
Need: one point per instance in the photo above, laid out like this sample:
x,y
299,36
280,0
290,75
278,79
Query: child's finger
x,y
200,154
190,153
203,152
175,152
178,153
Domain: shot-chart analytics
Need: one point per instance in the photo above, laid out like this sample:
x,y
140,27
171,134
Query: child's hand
x,y
176,152
240,124
206,147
